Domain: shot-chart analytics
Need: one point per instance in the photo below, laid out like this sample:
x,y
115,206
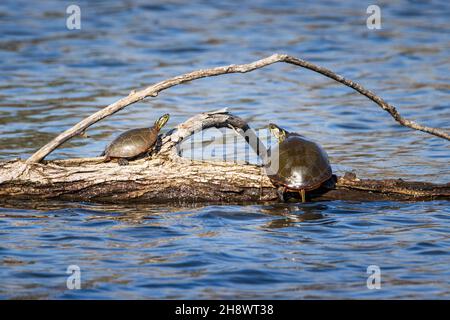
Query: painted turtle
x,y
133,143
297,164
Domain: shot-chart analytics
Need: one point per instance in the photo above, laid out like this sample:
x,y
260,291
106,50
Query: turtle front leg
x,y
123,162
303,195
280,192
150,152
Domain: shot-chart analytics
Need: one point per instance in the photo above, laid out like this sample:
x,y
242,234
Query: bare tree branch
x,y
372,96
153,91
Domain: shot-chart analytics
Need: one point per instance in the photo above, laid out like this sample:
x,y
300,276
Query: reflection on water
x,y
290,214
255,251
50,78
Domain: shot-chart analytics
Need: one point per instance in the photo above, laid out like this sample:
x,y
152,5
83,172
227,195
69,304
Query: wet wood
x,y
166,177
158,180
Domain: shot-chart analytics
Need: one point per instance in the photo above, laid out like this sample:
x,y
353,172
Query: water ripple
x,y
51,78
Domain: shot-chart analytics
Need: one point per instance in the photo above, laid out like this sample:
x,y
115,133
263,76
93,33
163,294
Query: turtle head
x,y
162,121
278,132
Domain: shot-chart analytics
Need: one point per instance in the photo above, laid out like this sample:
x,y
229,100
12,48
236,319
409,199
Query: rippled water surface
x,y
52,77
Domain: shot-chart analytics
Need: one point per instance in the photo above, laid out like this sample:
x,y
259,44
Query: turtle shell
x,y
303,164
132,143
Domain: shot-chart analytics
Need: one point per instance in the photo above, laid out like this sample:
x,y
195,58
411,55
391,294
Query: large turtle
x,y
133,143
301,165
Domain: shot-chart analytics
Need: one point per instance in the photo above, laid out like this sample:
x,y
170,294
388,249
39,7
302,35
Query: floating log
x,y
165,176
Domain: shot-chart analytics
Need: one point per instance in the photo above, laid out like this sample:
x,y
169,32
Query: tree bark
x,y
166,177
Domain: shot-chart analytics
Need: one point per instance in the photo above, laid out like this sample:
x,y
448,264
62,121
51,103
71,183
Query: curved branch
x,y
213,119
154,90
372,96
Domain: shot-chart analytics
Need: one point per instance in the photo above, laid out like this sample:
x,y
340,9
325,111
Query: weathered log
x,y
165,176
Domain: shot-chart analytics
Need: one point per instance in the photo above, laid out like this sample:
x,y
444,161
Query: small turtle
x,y
302,164
133,143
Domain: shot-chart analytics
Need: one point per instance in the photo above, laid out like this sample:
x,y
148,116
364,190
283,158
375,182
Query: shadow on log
x,y
165,176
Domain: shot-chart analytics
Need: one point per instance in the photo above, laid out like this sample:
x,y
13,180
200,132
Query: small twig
x,y
153,91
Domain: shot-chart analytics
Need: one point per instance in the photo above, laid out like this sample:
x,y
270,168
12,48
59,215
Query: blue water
x,y
52,77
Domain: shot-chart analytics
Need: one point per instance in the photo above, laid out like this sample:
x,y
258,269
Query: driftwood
x,y
167,177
